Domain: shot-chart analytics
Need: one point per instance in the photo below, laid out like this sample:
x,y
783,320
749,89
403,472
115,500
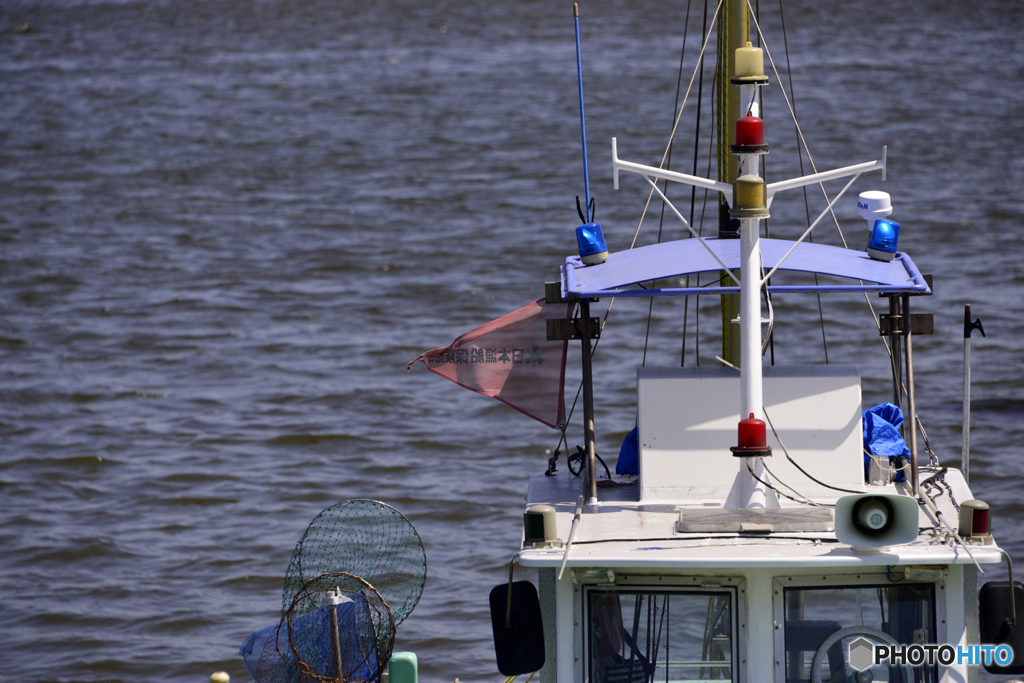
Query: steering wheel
x,y
847,672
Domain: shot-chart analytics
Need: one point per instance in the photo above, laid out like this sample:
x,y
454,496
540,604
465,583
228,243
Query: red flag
x,y
510,359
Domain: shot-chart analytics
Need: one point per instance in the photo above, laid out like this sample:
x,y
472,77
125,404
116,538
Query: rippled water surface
x,y
225,227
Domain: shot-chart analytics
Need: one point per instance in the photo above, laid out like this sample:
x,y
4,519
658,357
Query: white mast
x,y
748,197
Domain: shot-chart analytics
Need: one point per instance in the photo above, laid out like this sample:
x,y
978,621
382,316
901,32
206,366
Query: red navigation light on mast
x,y
752,438
750,131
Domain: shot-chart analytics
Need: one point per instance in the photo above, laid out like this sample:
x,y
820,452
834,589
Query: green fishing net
x,y
367,539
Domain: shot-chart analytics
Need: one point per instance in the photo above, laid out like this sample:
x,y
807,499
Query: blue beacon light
x,y
593,249
884,235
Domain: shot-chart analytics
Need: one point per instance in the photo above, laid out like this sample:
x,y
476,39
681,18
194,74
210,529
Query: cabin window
x,y
904,613
638,636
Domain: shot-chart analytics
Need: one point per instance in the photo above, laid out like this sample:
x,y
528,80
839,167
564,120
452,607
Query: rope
x,y
512,678
666,157
802,502
668,148
878,462
806,149
806,500
796,464
578,457
814,167
668,164
679,116
932,458
939,479
771,310
800,156
700,231
693,194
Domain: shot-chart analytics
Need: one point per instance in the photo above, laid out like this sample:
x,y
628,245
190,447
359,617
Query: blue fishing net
x,y
300,649
367,553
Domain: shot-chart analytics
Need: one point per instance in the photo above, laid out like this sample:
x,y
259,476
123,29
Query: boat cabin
x,y
660,588
722,565
760,541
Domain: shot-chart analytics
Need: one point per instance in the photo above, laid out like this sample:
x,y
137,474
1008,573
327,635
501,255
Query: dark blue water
x,y
226,226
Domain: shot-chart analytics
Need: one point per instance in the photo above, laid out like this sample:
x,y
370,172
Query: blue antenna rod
x,y
583,125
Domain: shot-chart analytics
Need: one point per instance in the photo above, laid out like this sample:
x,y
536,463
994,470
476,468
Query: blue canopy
x,y
623,270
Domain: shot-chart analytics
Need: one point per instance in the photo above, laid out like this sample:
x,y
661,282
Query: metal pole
x,y
910,393
965,448
751,399
733,32
588,369
969,327
572,532
1013,588
336,641
583,125
588,403
894,349
508,607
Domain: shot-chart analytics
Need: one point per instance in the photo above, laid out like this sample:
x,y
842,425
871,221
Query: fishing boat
x,y
763,526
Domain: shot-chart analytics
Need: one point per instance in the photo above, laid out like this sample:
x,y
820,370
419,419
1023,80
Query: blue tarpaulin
x,y
629,454
882,436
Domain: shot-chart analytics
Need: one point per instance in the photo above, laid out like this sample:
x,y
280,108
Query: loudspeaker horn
x,y
874,521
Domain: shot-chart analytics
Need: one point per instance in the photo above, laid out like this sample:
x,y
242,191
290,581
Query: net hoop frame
x,y
303,668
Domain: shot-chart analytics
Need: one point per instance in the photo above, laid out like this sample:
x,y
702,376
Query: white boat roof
x,y
621,532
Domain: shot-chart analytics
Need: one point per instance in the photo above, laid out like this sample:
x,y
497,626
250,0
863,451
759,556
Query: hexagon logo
x,y
860,654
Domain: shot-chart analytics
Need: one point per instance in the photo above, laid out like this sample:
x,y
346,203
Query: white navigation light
x,y
749,62
873,205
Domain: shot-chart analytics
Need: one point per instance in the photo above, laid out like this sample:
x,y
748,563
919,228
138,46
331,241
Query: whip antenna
x,y
583,124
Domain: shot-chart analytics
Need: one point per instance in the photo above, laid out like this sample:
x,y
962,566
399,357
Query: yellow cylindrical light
x,y
749,192
749,62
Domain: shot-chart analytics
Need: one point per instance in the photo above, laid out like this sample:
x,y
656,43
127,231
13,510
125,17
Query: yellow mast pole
x,y
733,32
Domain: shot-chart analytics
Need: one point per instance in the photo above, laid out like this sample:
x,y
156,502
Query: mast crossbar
x,y
846,171
662,174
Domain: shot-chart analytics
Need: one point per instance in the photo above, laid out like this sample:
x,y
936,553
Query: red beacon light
x,y
749,131
749,136
753,440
